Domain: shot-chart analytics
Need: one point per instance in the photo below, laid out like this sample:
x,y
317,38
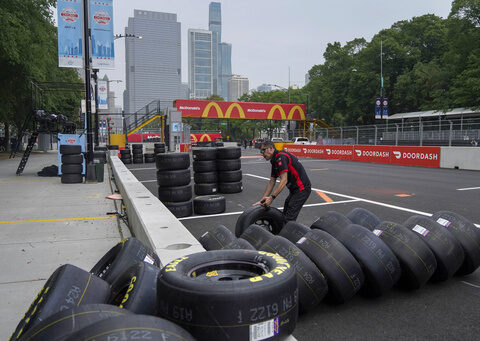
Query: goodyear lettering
x,y
172,266
127,294
281,267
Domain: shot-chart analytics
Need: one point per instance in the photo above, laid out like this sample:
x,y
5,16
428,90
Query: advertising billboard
x,y
70,33
101,26
102,95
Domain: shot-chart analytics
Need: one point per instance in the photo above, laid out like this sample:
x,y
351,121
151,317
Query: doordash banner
x,y
408,156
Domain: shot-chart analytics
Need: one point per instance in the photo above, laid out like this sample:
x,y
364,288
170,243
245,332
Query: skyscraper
x,y
200,63
215,26
225,53
237,86
153,63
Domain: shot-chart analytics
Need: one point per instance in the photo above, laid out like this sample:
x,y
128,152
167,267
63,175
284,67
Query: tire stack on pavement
x,y
137,153
126,155
173,179
229,173
159,148
149,157
72,164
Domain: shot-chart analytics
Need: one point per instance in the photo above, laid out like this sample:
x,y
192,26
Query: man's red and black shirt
x,y
283,161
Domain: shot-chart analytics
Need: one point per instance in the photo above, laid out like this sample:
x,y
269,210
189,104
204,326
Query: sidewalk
x,y
44,224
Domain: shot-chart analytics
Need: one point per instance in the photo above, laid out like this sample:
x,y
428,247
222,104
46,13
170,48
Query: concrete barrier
x,y
149,220
460,158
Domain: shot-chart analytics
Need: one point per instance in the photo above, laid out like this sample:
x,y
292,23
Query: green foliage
x,y
28,55
428,63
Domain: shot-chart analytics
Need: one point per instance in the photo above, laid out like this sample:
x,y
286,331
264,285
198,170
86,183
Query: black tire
x,y
180,209
219,144
122,256
72,168
270,217
112,146
204,154
66,288
342,271
70,149
175,194
312,286
209,204
235,288
361,216
331,220
238,244
172,161
230,176
126,157
125,152
137,152
416,259
256,235
100,148
216,238
379,265
71,178
228,165
446,248
136,289
229,153
181,177
205,178
137,160
468,236
205,189
159,145
293,231
204,166
149,155
127,161
150,160
132,327
229,187
136,146
61,324
72,159
159,150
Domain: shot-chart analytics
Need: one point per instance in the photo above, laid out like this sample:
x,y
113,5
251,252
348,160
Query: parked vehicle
x,y
300,140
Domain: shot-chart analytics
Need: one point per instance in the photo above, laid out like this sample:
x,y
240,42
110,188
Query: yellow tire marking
x,y
324,196
60,219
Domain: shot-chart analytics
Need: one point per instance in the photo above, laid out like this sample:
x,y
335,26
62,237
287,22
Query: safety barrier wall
x,y
150,221
460,157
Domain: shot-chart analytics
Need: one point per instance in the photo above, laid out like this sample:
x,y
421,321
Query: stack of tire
x,y
149,157
173,179
159,148
204,171
72,164
126,155
137,153
229,173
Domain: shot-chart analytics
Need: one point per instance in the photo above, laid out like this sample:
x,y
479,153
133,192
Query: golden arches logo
x,y
272,112
216,106
206,136
241,113
193,137
295,108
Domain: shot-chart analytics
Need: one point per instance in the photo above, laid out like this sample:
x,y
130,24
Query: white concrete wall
x,y
460,157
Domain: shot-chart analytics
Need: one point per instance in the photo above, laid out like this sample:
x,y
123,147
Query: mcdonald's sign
x,y
240,110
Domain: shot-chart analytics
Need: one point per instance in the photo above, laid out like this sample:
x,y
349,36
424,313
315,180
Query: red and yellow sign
x,y
203,137
241,110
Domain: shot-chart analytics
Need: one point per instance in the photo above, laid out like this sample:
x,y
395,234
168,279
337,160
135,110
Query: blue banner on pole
x,y
70,33
385,107
101,25
378,109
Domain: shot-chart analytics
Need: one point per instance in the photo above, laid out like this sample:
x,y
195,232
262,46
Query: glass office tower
x,y
215,26
200,63
225,73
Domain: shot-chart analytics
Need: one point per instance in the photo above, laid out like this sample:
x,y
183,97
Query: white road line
x,y
280,208
473,285
148,181
135,169
467,189
357,199
268,162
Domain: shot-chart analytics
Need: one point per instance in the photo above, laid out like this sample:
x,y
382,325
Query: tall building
x,y
225,73
237,86
264,88
215,26
200,63
153,63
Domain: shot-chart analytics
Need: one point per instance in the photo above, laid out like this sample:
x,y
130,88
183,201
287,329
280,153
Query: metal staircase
x,y
142,116
26,154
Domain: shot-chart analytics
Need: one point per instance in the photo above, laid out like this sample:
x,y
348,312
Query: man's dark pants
x,y
294,203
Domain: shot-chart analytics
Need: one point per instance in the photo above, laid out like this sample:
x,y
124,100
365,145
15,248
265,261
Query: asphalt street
x,y
438,311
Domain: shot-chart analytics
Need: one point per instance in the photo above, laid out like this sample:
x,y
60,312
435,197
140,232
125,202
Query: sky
x,y
274,41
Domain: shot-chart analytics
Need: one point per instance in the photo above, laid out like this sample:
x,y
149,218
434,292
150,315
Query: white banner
x,y
102,95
